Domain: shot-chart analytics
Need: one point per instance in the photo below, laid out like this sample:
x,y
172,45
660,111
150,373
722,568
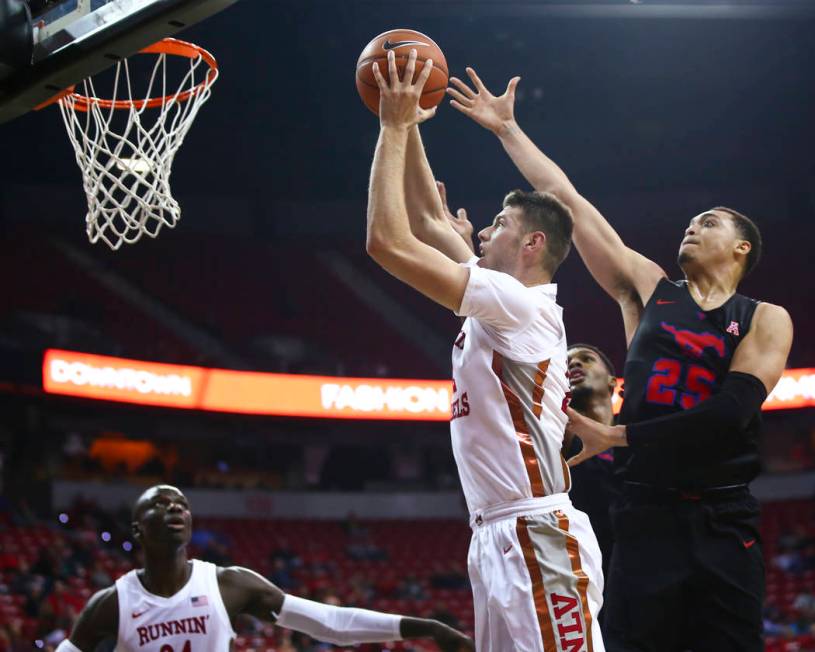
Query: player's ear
x,y
135,529
612,385
535,240
743,247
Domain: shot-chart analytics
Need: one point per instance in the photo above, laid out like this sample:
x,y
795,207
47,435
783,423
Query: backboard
x,y
74,39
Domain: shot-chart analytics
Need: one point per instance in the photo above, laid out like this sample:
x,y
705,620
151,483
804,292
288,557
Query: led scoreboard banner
x,y
246,392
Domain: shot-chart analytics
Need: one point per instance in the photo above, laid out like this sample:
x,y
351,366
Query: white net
x,y
125,147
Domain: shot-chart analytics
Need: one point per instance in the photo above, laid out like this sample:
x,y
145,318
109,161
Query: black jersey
x,y
678,357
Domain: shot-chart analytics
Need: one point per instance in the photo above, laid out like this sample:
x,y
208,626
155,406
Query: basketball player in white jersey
x,y
175,604
534,562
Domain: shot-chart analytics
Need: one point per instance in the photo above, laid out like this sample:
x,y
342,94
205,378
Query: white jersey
x,y
510,391
192,620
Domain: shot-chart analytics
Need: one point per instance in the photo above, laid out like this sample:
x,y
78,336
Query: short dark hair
x,y
606,360
748,231
544,212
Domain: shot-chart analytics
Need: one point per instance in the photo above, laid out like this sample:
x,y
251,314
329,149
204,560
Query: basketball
x,y
401,41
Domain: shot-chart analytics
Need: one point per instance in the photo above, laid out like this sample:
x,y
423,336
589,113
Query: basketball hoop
x,y
125,147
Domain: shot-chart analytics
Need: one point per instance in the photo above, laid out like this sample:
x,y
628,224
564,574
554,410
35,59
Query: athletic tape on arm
x,y
338,625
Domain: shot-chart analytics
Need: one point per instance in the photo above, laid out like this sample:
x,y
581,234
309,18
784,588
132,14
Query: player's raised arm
x,y
245,591
430,218
621,271
390,241
97,622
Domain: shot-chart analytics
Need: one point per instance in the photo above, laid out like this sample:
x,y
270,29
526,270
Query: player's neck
x,y
530,276
595,406
599,409
166,574
713,286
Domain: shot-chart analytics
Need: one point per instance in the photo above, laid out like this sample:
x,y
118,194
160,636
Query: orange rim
x,y
170,46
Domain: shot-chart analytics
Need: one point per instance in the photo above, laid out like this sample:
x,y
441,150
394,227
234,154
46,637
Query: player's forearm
x,y
387,210
616,268
338,625
421,196
542,173
726,413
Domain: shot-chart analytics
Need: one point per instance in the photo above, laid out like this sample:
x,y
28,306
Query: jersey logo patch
x,y
139,614
199,601
663,302
695,343
733,329
460,340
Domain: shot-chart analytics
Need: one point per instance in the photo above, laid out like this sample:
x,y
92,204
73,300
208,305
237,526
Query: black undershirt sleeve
x,y
727,412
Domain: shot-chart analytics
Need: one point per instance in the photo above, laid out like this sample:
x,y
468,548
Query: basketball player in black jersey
x,y
162,524
687,570
593,381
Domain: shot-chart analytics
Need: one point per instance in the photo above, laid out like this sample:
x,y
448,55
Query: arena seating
x,y
198,279
107,323
396,566
280,289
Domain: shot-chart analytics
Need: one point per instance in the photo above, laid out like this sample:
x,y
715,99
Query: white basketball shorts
x,y
537,579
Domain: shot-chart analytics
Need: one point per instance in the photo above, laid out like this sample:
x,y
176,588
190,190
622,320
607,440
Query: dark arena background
x,y
338,489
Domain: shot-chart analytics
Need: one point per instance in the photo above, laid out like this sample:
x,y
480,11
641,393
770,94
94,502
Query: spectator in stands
x,y
365,550
100,578
284,552
773,621
789,562
448,577
64,602
804,604
411,589
34,596
280,574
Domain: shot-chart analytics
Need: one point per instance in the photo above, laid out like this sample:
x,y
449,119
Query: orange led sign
x,y
221,390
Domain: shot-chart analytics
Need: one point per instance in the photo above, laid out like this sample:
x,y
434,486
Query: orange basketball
x,y
401,41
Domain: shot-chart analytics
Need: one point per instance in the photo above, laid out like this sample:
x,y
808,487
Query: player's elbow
x,y
380,249
386,247
375,245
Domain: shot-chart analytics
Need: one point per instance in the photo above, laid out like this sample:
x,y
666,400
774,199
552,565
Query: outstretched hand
x,y
596,437
399,98
460,222
486,109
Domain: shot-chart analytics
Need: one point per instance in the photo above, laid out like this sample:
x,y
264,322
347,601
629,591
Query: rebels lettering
x,y
194,625
460,407
569,622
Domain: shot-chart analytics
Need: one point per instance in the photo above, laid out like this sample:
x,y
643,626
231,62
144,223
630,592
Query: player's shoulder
x,y
237,577
229,574
99,618
105,600
770,315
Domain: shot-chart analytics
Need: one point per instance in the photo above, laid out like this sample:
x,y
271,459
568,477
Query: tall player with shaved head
x,y
687,570
534,562
176,604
